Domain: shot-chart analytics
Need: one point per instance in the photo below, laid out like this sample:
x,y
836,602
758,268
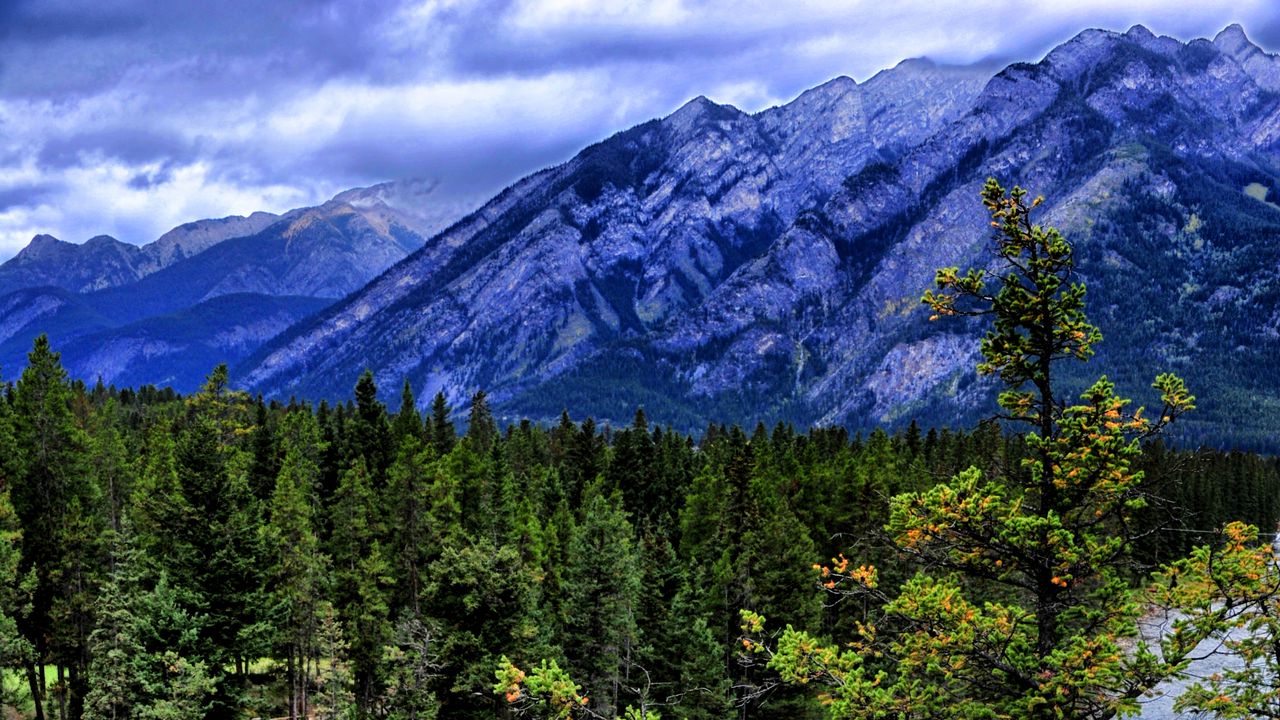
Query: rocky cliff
x,y
719,264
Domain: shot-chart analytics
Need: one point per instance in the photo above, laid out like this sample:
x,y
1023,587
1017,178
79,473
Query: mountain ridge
x,y
770,263
110,306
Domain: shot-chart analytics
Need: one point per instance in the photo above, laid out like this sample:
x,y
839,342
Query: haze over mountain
x,y
716,264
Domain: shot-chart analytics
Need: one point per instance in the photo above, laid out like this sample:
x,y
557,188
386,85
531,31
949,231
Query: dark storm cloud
x,y
61,48
24,195
26,20
131,116
131,145
479,45
148,179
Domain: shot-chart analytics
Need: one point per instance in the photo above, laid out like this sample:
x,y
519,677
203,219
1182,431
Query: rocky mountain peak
x,y
418,204
1139,32
1233,41
1082,53
716,263
42,246
43,241
698,112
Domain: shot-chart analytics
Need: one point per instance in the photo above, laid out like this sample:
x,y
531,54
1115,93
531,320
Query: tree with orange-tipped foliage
x,y
1047,545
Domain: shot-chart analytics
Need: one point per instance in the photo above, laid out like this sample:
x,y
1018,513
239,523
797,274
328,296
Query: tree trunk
x,y
78,690
293,687
62,692
37,692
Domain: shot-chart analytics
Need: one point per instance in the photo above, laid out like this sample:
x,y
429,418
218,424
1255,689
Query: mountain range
x,y
722,265
206,292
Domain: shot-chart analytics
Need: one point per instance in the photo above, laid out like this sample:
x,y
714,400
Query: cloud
x,y
131,117
24,195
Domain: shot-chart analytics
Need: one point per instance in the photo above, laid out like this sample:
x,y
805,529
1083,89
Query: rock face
x,y
101,262
206,292
720,265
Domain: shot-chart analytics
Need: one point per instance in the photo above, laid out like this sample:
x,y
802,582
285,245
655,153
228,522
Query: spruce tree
x,y
482,431
141,647
362,581
15,585
54,500
443,434
373,440
334,699
602,596
408,422
299,569
409,481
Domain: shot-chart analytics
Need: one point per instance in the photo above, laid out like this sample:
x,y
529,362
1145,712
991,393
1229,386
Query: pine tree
x,y
299,569
334,699
482,431
443,434
142,644
361,581
266,456
1048,543
409,480
408,422
112,473
217,557
373,440
15,585
53,498
602,586
702,691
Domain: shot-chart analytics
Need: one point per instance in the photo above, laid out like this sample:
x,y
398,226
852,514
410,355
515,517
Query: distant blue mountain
x,y
206,292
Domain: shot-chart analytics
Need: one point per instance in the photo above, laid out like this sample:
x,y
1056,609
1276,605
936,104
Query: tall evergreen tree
x,y
140,668
16,652
1050,543
266,455
482,431
408,422
299,568
409,481
334,699
602,585
362,580
443,434
373,440
53,498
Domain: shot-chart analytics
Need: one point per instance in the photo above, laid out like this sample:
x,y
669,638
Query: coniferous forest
x,y
218,556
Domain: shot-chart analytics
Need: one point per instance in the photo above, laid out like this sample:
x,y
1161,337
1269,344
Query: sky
x,y
130,117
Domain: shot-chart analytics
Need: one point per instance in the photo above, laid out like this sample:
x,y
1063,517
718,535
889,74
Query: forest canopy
x,y
221,556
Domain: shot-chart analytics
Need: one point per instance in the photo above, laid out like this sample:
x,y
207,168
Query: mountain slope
x,y
116,315
322,252
610,245
178,350
100,262
104,262
717,264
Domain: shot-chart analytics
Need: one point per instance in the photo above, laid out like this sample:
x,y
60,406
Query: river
x,y
1213,660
